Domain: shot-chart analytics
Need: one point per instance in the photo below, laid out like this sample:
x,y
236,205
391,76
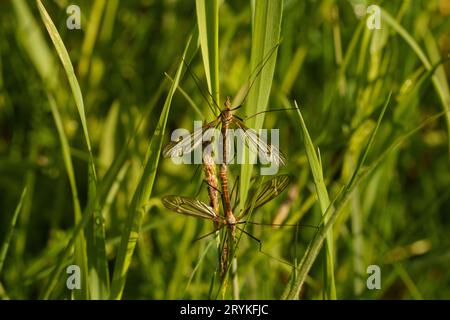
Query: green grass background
x,y
85,113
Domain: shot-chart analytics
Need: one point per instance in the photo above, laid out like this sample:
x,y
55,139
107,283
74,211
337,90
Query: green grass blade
x,y
197,265
68,68
107,185
97,255
208,28
266,28
92,31
34,43
113,177
109,20
80,247
324,202
339,203
333,211
10,231
439,84
98,263
363,158
144,189
107,149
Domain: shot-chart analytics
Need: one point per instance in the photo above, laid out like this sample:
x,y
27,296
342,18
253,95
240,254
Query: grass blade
x,y
97,252
33,40
68,68
440,85
80,247
9,233
112,178
333,211
266,29
208,28
144,189
91,37
324,202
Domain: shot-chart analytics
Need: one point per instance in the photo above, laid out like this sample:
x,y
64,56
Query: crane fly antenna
x,y
197,83
283,225
266,111
258,69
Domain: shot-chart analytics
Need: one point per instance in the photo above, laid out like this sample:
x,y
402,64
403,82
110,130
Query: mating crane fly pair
x,y
268,191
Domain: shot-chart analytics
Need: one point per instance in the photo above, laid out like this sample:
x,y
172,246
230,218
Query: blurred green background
x,y
340,72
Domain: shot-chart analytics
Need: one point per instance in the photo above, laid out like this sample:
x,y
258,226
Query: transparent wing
x,y
268,191
183,146
189,207
266,152
187,143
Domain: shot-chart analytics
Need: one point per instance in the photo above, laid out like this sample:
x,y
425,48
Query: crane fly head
x,y
228,103
226,114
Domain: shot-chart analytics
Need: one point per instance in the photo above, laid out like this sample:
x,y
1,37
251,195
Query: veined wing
x,y
187,143
268,191
267,152
189,206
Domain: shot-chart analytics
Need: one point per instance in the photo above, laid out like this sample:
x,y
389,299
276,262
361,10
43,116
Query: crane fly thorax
x,y
231,220
226,116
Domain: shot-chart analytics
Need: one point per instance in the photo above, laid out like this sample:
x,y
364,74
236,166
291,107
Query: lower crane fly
x,y
196,208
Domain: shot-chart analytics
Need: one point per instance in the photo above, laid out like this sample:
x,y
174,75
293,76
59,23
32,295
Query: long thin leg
x,y
197,83
193,177
235,184
265,253
282,225
209,185
251,236
207,235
